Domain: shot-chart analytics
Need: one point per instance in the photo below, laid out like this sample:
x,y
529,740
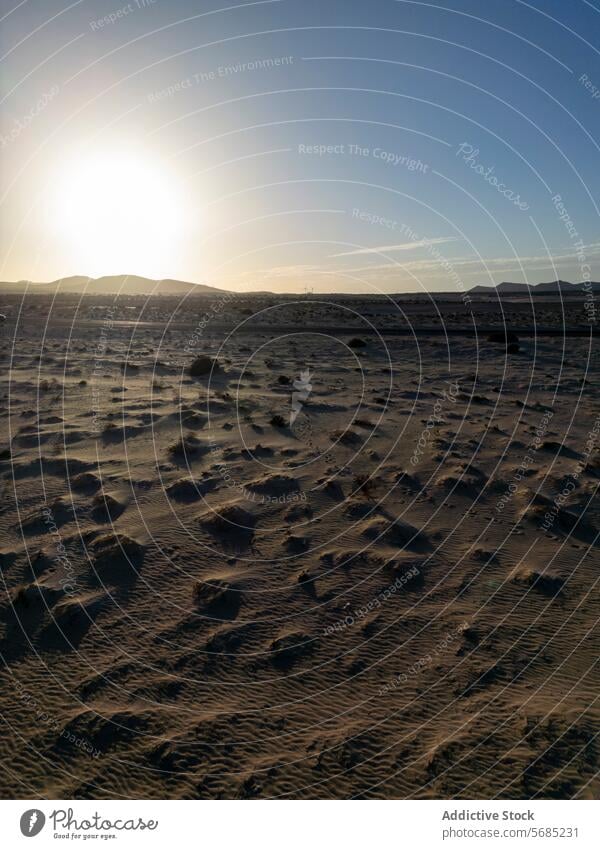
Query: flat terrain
x,y
355,558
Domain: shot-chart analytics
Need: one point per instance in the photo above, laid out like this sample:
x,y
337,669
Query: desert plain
x,y
304,547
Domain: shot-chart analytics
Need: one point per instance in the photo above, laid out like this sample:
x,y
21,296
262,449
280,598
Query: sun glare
x,y
118,212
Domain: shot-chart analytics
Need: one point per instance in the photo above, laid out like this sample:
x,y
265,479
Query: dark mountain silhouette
x,y
554,288
124,284
131,284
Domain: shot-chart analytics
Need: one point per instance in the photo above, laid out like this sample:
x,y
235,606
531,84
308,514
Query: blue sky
x,y
342,146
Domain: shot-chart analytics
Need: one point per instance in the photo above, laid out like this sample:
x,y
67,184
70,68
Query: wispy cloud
x,y
405,246
428,272
472,265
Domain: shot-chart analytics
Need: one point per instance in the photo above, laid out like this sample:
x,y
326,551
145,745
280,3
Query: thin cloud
x,y
405,246
477,265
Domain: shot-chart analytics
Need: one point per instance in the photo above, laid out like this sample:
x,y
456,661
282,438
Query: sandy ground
x,y
327,568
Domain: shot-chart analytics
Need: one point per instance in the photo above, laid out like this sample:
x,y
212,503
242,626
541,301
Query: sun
x,y
118,211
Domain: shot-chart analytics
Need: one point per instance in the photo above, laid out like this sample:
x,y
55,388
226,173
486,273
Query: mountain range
x,y
121,284
553,288
131,284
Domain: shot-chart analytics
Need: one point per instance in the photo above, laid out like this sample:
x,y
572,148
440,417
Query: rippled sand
x,y
335,565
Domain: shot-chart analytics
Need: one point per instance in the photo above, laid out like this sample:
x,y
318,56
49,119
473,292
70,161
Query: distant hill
x,y
123,284
555,287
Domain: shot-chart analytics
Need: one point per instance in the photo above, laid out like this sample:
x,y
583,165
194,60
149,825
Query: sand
x,y
318,570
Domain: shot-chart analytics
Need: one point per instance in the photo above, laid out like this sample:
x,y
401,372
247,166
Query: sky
x,y
294,145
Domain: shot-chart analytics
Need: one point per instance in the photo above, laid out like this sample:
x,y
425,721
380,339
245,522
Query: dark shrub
x,y
503,337
202,366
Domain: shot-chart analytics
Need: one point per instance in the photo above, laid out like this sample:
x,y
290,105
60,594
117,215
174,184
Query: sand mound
x,y
394,533
258,451
190,489
218,598
296,544
484,555
72,436
232,525
463,478
120,432
359,509
34,598
192,418
408,574
7,558
275,485
546,583
187,447
60,512
333,489
111,728
107,507
350,438
548,515
72,618
563,746
289,649
86,482
408,482
465,484
117,551
558,449
348,558
23,613
307,581
298,513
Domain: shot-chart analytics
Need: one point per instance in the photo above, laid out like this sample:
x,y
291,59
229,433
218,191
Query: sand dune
x,y
381,586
